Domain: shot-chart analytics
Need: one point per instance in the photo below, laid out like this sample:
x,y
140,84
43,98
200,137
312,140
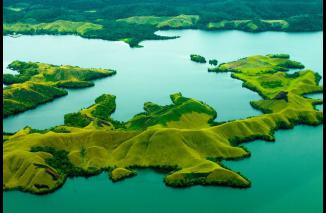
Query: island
x,y
180,139
197,58
213,62
37,83
133,22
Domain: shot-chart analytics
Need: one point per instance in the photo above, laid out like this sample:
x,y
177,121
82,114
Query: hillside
x,y
135,21
163,137
38,83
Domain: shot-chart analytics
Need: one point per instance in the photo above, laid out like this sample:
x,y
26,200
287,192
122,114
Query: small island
x,y
213,62
37,83
180,139
197,58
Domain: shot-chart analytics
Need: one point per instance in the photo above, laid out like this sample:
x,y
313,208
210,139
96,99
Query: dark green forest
x,y
209,10
299,15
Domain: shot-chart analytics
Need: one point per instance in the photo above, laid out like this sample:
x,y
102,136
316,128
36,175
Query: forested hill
x,y
124,17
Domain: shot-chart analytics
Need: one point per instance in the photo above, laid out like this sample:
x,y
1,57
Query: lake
x,y
286,175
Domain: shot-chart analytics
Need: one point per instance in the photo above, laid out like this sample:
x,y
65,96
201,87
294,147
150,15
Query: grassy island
x,y
198,58
38,83
133,22
179,139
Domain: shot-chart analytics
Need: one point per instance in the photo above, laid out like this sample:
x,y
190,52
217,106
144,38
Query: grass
x,y
134,29
163,136
258,64
118,174
97,116
176,22
134,22
56,27
21,97
183,112
250,25
37,83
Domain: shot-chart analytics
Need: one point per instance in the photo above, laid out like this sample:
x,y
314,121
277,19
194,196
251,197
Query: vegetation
x,y
198,58
183,113
19,98
213,62
133,22
258,64
59,160
76,119
118,174
74,84
177,22
164,136
105,106
38,83
56,27
96,116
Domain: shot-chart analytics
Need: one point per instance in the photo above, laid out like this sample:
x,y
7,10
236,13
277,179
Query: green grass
x,y
56,27
177,137
183,112
258,64
118,174
37,83
134,22
250,25
176,22
96,116
19,98
142,27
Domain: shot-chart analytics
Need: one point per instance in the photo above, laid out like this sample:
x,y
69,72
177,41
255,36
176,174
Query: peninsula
x,y
37,83
181,138
133,22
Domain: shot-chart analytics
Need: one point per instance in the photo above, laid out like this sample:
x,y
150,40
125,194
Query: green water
x,y
286,175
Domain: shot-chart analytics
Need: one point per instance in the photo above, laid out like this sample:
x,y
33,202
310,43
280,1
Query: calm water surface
x,y
286,175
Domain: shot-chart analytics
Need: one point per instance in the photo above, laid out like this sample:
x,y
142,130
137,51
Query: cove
x,y
157,70
153,72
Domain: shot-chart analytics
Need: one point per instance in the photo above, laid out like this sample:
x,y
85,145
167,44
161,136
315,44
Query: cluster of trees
x,y
213,62
197,58
61,163
209,10
105,107
271,84
301,15
25,69
76,119
74,84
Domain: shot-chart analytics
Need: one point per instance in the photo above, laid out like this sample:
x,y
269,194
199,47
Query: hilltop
x,y
37,83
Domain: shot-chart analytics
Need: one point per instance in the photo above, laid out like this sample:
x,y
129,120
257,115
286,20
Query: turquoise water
x,y
157,70
286,175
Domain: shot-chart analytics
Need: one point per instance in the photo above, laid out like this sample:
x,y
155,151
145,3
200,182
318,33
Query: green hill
x,y
38,83
179,139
